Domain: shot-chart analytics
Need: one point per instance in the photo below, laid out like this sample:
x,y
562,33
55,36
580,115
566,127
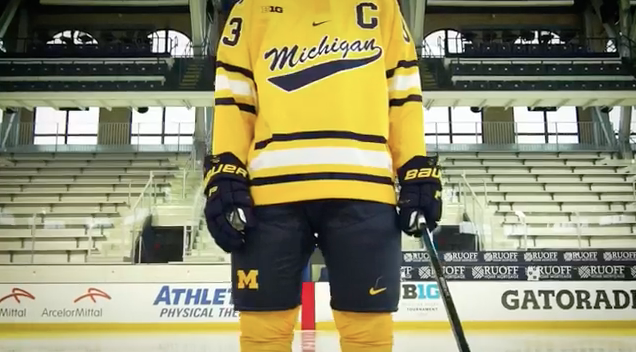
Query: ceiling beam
x,y
198,24
7,16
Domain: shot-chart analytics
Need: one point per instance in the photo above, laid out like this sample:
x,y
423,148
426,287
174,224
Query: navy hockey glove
x,y
229,206
420,194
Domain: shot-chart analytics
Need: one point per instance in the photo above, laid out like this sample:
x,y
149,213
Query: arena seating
x,y
545,74
77,200
558,199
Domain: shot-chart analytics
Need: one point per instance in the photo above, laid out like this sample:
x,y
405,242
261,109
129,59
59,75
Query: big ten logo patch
x,y
247,280
421,291
272,9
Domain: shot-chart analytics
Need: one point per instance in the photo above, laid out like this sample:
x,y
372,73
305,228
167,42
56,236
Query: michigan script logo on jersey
x,y
351,55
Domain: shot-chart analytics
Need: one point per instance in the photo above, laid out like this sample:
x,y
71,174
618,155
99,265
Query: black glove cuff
x,y
420,169
225,166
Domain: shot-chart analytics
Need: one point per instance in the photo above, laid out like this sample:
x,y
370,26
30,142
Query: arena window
x,y
170,125
540,127
459,125
437,43
465,127
539,37
615,119
65,127
73,37
170,41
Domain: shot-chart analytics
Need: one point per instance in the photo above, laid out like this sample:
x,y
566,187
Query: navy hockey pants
x,y
360,241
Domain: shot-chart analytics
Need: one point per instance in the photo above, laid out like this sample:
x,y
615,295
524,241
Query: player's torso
x,y
318,63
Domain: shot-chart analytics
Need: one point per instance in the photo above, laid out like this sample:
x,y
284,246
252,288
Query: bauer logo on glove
x,y
420,194
228,209
427,172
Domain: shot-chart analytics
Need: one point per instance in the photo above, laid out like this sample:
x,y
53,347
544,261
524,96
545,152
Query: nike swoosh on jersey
x,y
303,78
316,24
374,291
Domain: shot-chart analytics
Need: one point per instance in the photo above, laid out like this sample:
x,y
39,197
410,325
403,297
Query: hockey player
x,y
318,109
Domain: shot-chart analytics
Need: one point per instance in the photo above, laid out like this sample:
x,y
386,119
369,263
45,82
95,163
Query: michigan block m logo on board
x,y
249,280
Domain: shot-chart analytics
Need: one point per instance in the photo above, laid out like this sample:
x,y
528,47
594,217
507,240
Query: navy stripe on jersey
x,y
321,176
401,64
410,98
296,136
303,78
231,68
231,101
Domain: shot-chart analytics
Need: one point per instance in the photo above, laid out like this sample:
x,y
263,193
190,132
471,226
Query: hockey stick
x,y
451,311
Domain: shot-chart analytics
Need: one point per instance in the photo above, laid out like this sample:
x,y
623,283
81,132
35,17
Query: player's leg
x,y
266,277
361,244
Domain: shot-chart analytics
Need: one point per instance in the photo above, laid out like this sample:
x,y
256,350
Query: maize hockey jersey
x,y
320,98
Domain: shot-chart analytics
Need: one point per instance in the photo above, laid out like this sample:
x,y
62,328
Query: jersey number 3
x,y
236,25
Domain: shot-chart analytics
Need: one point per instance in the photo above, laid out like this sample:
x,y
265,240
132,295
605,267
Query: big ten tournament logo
x,y
540,257
200,303
501,257
461,257
416,257
88,304
13,305
550,299
620,256
581,256
420,298
451,272
549,272
496,272
595,272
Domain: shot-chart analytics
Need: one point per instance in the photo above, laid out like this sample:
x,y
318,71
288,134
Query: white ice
x,y
319,342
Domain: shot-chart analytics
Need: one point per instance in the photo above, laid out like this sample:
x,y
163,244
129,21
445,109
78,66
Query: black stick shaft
x,y
451,311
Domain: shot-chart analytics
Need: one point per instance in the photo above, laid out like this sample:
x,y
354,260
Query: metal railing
x,y
530,227
476,209
603,46
58,137
97,136
197,215
139,212
511,133
155,43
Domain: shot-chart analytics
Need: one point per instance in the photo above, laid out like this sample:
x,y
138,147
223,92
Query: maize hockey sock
x,y
364,332
268,331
